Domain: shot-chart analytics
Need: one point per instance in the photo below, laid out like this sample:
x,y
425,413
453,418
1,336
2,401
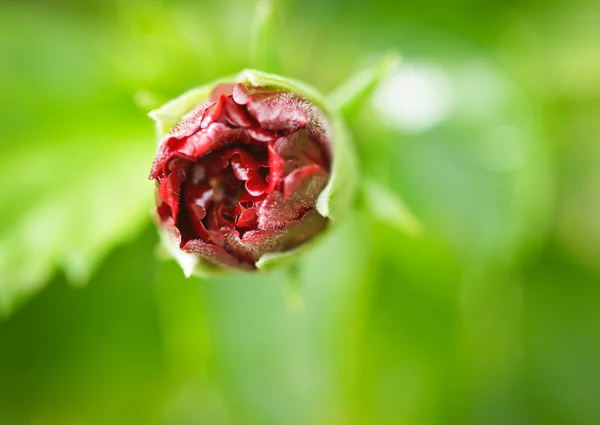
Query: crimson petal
x,y
213,137
214,112
256,184
236,115
256,243
170,189
247,218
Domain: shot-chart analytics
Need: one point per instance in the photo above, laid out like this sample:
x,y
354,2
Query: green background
x,y
489,131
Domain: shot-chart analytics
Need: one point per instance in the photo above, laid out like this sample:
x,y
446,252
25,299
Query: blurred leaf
x,y
359,87
461,143
386,206
92,356
263,48
93,194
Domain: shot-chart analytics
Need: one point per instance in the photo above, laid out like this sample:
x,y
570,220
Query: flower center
x,y
240,176
224,189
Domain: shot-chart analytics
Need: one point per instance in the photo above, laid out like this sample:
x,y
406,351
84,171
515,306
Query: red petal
x,y
178,163
237,115
220,215
244,158
275,168
169,190
256,184
215,136
197,198
255,243
248,201
214,112
215,254
221,89
282,111
299,149
241,172
299,182
247,219
239,94
274,212
304,187
261,134
190,123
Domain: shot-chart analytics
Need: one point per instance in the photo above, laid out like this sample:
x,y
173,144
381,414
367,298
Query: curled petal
x,y
197,198
279,113
213,137
300,149
261,135
190,123
236,115
275,168
221,89
248,201
256,184
220,215
240,94
255,243
306,183
245,159
239,170
170,188
173,141
247,218
214,112
274,212
304,186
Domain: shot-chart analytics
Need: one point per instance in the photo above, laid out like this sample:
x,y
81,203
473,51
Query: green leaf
x,y
385,206
359,87
78,199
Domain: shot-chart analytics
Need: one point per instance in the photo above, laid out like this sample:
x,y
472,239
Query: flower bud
x,y
239,176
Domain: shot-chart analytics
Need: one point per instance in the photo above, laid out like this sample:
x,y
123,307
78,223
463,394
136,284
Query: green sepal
x,y
338,196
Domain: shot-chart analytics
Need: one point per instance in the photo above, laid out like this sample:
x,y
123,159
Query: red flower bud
x,y
239,176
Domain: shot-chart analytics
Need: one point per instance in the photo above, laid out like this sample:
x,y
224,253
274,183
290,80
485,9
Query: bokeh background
x,y
488,131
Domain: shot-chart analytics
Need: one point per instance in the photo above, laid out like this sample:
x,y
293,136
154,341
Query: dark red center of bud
x,y
239,176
